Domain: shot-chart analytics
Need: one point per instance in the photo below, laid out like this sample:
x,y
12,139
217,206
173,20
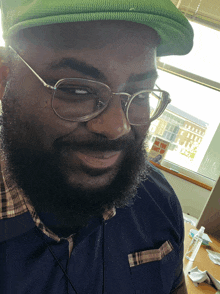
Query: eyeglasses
x,y
80,100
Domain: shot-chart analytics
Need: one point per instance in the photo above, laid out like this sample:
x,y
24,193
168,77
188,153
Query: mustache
x,y
96,144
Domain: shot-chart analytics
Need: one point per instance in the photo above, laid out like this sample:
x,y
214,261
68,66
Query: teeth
x,y
103,155
98,159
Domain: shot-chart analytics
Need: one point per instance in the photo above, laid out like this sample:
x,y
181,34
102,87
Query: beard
x,y
61,206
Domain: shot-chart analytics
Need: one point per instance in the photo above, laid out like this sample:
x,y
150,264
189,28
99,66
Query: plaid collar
x,y
13,202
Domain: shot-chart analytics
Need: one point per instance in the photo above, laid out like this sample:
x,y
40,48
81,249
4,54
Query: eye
x,y
75,90
81,92
143,96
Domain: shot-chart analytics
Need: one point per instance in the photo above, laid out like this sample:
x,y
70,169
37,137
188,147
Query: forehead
x,y
118,50
93,34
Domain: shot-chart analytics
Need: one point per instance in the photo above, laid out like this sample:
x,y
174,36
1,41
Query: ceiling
x,y
206,12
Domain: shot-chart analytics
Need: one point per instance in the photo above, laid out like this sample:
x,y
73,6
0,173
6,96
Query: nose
x,y
112,122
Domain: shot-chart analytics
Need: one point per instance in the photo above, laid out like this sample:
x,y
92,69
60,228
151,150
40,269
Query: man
x,y
82,209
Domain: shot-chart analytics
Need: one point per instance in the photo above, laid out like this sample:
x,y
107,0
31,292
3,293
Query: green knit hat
x,y
173,28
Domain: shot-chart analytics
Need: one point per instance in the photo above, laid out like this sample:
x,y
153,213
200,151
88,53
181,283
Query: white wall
x,y
192,197
210,166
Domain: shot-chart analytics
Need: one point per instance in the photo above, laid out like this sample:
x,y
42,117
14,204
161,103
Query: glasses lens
x,y
144,106
78,99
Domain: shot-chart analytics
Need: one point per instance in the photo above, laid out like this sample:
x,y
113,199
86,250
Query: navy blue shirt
x,y
101,260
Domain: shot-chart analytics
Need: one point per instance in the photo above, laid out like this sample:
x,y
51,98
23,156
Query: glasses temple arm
x,y
34,72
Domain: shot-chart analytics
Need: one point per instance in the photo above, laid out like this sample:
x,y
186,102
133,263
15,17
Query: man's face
x,y
86,156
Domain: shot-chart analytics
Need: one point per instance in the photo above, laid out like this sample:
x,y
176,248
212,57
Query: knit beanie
x,y
175,31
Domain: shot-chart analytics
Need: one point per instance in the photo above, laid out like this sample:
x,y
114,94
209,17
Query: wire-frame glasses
x,y
80,100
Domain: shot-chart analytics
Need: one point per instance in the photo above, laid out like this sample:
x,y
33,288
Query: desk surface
x,y
203,262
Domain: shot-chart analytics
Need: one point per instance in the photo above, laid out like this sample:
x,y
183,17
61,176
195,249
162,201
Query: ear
x,y
4,71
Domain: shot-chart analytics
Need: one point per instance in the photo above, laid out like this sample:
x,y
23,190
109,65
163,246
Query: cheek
x,y
31,119
141,132
30,98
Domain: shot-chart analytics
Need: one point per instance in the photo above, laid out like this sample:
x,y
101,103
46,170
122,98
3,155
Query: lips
x,y
98,160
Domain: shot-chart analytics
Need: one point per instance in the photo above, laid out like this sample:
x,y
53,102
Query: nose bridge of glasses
x,y
122,94
125,97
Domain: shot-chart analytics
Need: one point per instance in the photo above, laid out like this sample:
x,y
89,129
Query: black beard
x,y
59,204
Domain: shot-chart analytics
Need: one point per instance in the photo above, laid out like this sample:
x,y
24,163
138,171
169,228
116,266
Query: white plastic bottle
x,y
195,245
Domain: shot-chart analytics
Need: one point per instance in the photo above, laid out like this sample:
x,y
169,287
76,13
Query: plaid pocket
x,y
146,256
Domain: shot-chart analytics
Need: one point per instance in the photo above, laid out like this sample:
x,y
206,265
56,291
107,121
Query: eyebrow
x,y
79,66
89,70
152,74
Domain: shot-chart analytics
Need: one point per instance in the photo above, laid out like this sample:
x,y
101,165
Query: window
x,y
193,84
184,109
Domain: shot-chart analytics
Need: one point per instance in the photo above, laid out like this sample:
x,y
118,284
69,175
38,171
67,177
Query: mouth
x,y
98,160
